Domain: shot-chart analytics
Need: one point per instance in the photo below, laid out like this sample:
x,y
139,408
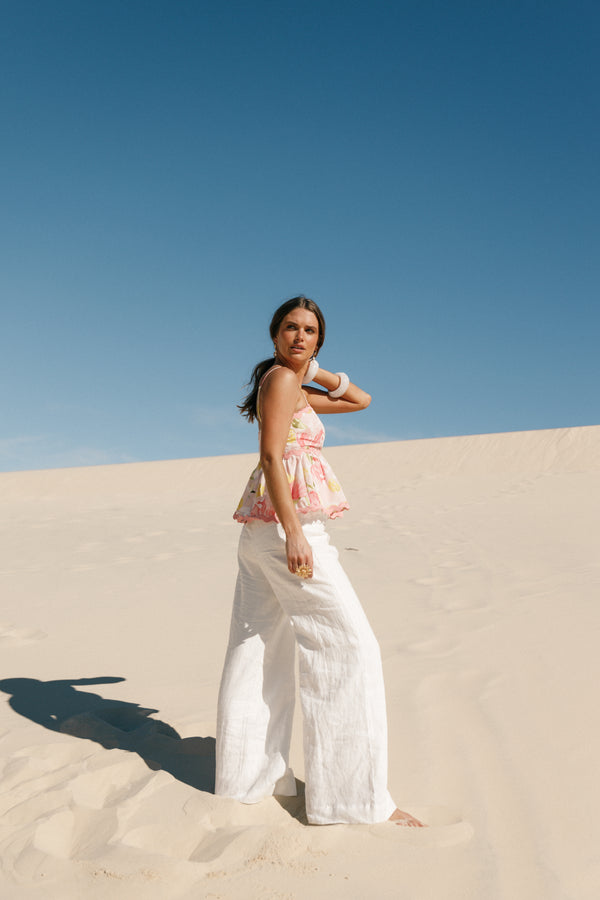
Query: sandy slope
x,y
477,561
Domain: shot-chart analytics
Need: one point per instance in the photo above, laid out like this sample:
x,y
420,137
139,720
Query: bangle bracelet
x,y
313,368
341,388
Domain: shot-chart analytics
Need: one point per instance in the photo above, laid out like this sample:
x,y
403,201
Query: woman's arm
x,y
353,399
278,401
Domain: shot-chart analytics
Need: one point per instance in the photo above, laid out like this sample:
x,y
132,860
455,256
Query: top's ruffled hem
x,y
267,515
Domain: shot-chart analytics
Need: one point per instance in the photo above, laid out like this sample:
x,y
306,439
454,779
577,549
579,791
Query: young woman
x,y
292,591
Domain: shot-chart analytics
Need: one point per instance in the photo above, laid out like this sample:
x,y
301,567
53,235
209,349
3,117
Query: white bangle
x,y
313,368
342,386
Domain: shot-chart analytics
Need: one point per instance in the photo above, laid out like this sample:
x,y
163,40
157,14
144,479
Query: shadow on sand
x,y
59,706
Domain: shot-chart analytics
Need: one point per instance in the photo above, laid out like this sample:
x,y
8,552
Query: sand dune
x,y
476,559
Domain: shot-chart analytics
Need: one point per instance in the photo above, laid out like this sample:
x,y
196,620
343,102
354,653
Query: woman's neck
x,y
286,365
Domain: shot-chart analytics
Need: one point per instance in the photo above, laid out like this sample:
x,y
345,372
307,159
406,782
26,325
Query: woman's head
x,y
288,307
248,407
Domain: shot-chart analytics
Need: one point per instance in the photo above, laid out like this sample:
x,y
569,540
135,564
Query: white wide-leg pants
x,y
341,684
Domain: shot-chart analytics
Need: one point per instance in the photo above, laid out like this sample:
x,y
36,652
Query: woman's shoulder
x,y
280,387
279,375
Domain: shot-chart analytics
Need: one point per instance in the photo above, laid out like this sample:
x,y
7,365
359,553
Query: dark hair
x,y
248,407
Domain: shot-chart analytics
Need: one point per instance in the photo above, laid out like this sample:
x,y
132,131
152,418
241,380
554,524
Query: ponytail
x,y
249,407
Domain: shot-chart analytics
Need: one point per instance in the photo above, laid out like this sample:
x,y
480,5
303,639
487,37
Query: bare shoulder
x,y
278,399
279,394
280,380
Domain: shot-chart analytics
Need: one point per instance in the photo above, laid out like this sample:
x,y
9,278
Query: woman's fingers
x,y
299,558
301,565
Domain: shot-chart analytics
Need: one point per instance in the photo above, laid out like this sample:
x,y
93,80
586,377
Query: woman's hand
x,y
298,553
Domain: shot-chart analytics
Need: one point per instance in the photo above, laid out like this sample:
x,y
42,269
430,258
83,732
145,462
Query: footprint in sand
x,y
15,637
438,645
107,784
223,843
519,487
73,833
66,802
428,581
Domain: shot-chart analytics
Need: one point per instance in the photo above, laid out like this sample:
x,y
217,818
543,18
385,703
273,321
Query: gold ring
x,y
303,571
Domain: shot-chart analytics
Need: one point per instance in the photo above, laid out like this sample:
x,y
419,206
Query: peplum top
x,y
313,485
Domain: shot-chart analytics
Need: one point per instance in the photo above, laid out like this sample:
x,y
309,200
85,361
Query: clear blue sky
x,y
171,171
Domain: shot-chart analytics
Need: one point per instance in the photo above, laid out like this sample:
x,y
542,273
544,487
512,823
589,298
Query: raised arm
x,y
278,401
352,400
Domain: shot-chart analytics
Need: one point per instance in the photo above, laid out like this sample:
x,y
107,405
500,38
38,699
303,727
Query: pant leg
x,y
341,687
257,693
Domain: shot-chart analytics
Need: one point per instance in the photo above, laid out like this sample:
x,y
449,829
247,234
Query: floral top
x,y
313,485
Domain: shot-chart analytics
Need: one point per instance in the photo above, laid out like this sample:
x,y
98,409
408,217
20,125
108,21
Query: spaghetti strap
x,y
268,372
260,384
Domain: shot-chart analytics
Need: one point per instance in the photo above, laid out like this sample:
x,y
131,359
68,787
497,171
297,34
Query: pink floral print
x,y
313,485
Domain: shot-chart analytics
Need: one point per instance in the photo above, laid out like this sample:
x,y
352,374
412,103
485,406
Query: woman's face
x,y
296,340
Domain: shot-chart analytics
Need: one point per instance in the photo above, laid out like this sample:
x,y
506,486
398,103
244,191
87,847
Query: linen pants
x,y
341,684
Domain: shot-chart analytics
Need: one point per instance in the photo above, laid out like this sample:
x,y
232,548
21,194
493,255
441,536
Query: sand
x,y
476,559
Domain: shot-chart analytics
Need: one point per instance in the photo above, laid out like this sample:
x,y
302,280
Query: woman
x,y
291,590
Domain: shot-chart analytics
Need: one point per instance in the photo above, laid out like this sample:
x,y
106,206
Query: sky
x,y
171,171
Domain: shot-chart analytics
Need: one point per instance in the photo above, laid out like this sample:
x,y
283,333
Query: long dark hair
x,y
248,407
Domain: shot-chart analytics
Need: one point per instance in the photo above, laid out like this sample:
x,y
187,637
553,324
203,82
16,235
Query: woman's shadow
x,y
59,706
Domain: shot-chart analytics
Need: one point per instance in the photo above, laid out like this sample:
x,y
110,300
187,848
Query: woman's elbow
x,y
365,400
267,459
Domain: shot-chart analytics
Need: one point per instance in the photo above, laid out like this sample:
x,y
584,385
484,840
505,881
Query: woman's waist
x,y
297,451
312,517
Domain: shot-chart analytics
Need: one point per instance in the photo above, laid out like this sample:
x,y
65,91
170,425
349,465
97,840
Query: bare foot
x,y
402,818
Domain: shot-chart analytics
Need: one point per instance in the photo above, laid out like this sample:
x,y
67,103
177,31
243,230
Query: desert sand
x,y
477,561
